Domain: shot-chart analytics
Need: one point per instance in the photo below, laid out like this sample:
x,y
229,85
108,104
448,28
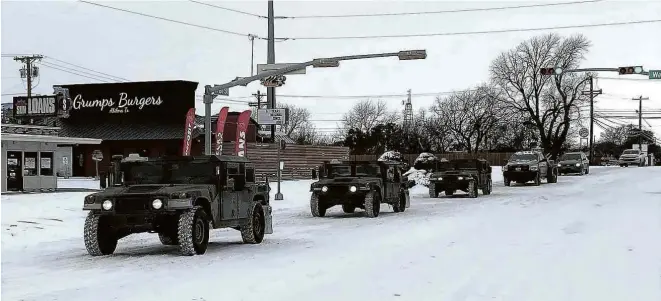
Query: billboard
x,y
160,101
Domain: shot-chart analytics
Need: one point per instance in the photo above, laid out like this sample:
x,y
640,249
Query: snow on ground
x,y
87,183
584,238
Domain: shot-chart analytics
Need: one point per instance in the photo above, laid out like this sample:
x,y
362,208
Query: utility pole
x,y
252,54
592,94
257,105
29,71
408,112
270,59
640,120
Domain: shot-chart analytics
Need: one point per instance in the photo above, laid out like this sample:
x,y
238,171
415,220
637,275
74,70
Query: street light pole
x,y
210,92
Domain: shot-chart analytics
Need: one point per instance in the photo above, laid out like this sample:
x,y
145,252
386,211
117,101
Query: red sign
x,y
241,128
220,127
188,132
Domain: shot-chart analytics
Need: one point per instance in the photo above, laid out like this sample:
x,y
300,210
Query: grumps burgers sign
x,y
35,106
134,102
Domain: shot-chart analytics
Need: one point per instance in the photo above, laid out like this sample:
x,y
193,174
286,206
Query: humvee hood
x,y
348,180
529,162
156,189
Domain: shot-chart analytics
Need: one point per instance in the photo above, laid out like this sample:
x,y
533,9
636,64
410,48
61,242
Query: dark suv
x,y
575,162
180,198
359,184
526,166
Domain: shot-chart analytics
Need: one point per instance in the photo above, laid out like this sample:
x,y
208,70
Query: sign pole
x,y
278,194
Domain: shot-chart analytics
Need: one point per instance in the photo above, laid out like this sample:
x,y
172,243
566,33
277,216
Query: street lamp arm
x,y
209,90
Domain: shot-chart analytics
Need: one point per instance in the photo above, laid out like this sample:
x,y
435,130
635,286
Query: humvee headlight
x,y
578,164
157,204
460,178
559,165
353,189
324,188
107,205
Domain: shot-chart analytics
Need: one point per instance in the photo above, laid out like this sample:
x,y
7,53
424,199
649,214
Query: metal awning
x,y
49,139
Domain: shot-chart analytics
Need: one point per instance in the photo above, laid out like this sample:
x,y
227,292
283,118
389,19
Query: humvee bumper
x,y
520,176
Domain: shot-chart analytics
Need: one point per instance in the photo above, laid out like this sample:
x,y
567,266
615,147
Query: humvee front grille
x,y
522,167
129,205
338,189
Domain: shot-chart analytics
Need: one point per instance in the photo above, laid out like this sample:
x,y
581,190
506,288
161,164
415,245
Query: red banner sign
x,y
220,127
188,132
241,128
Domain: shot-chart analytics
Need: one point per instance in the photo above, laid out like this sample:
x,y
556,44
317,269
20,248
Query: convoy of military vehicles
x,y
182,198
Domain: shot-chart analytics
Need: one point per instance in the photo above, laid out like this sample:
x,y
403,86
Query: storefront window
x,y
30,164
46,163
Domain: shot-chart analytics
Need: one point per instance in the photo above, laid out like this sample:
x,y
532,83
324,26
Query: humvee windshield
x,y
354,170
168,172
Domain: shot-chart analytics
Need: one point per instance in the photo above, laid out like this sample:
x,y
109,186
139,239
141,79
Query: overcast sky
x,y
140,48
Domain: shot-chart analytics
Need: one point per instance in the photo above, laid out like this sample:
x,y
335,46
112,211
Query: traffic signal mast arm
x,y
403,55
554,70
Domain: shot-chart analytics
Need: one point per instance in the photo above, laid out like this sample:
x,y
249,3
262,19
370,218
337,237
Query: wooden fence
x,y
495,159
299,160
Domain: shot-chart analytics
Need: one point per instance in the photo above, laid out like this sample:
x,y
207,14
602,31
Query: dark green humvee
x,y
467,175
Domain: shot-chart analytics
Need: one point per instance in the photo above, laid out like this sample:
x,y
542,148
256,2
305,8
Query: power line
x,y
169,20
72,72
228,9
439,11
622,78
81,67
475,32
65,68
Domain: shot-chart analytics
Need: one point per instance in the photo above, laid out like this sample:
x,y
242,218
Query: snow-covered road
x,y
596,237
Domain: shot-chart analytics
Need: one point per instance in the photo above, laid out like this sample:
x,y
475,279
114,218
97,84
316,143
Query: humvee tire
x,y
347,208
99,238
506,181
472,189
193,232
372,204
315,208
432,191
401,205
253,232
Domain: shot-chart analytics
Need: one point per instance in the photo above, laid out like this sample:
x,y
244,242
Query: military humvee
x,y
359,184
180,198
467,175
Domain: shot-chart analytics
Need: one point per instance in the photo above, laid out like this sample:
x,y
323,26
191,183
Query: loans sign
x,y
35,106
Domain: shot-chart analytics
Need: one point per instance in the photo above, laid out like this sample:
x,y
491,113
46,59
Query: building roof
x,y
49,138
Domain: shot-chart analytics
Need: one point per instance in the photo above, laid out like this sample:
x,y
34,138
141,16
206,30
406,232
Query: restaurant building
x,y
147,118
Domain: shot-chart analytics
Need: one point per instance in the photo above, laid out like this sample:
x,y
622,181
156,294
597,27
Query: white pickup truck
x,y
632,157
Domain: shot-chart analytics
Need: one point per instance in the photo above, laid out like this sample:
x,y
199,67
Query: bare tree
x,y
550,102
366,114
299,119
470,116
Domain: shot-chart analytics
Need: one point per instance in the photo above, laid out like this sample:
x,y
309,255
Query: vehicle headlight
x,y
107,205
578,164
460,178
352,188
324,188
157,204
440,178
559,165
533,167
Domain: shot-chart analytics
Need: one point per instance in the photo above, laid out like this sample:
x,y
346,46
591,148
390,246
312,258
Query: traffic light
x,y
631,70
551,71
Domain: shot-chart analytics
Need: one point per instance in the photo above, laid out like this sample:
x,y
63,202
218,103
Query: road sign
x,y
97,155
412,55
272,116
274,81
584,133
261,68
224,92
655,74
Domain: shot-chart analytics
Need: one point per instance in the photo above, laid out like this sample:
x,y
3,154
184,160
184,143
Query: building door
x,y
14,171
78,161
